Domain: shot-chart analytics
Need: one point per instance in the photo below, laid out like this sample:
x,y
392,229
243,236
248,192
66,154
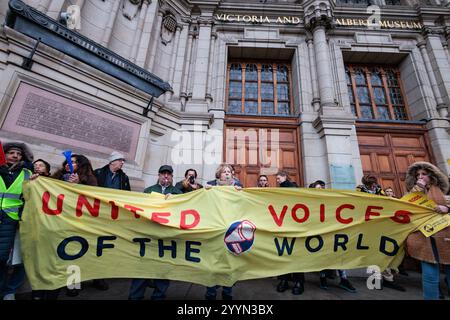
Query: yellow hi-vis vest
x,y
10,199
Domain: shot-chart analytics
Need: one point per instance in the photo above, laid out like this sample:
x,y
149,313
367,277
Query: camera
x,y
191,179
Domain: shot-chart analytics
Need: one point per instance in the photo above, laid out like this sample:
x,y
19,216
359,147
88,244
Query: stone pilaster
x,y
439,64
139,31
173,60
314,85
202,60
109,26
156,40
212,56
144,41
431,76
187,70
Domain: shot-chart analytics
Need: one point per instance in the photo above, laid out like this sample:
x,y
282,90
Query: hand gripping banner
x,y
210,237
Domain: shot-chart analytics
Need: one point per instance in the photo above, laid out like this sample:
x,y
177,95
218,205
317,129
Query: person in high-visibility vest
x,y
12,175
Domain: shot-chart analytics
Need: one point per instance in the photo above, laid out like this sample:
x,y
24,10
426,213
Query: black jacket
x,y
288,184
187,189
102,173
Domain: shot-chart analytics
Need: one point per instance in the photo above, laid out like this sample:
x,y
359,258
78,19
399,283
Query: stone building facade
x,y
324,89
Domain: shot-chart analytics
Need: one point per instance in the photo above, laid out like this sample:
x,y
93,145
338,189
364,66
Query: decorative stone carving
x,y
318,14
168,28
130,8
432,31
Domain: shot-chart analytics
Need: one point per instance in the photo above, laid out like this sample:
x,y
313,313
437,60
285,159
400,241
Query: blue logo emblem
x,y
240,236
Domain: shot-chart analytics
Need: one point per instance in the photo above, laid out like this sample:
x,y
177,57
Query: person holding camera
x,y
189,183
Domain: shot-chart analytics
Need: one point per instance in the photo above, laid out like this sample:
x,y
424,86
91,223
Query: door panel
x,y
387,155
255,150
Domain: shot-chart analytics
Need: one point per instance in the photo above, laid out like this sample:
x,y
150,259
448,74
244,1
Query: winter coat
x,y
235,182
157,188
288,184
417,245
102,173
181,185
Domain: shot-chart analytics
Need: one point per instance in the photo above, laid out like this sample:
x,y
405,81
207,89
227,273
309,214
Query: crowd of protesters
x,y
424,177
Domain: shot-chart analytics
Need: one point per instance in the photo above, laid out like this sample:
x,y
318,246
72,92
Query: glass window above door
x,y
259,88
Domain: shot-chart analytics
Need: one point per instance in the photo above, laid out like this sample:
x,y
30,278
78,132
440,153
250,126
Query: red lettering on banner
x,y
184,214
59,204
413,199
278,220
93,210
114,210
338,213
369,212
322,212
401,216
157,217
294,212
134,210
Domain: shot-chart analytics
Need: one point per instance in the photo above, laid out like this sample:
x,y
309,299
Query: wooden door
x,y
388,152
256,148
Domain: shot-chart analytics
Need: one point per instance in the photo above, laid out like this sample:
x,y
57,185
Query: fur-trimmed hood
x,y
27,155
440,178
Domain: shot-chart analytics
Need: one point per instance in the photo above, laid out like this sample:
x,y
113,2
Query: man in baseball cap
x,y
138,286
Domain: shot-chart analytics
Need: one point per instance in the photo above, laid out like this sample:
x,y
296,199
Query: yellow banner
x,y
217,236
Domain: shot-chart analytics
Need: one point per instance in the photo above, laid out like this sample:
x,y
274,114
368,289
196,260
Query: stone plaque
x,y
343,177
42,114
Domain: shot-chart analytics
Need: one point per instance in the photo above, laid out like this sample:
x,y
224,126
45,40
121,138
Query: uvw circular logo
x,y
240,236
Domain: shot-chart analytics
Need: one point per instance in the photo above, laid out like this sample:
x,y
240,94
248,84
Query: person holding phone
x,y
189,183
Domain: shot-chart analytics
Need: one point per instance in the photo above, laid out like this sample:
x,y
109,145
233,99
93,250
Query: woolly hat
x,y
27,155
115,156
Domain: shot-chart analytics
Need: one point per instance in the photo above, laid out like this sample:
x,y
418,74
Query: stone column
x,y
187,66
177,79
139,31
431,76
335,132
200,75
109,26
169,94
438,128
323,67
145,36
312,63
210,68
440,66
445,46
156,41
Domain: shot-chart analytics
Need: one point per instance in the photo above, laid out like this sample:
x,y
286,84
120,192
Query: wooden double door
x,y
387,151
262,146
